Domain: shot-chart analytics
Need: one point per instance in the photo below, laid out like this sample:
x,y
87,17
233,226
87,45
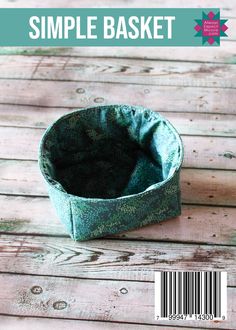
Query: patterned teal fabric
x,y
111,168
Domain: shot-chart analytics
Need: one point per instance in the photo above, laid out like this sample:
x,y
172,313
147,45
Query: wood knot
x,y
99,100
59,305
229,155
80,91
123,291
36,289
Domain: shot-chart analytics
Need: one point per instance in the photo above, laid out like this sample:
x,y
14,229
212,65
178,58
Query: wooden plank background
x,y
228,8
118,70
225,54
132,303
82,94
27,323
205,124
47,280
110,259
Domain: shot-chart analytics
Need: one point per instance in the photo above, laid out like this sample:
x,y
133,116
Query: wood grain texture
x,y
91,300
115,70
223,54
228,8
200,151
186,123
208,187
197,224
29,323
83,94
110,259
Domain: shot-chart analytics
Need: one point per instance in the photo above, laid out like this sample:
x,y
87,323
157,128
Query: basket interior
x,y
110,151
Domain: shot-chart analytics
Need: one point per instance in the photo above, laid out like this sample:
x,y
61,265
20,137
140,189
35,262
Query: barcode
x,y
190,295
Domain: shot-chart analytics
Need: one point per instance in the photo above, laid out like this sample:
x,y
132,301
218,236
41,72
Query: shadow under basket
x,y
111,168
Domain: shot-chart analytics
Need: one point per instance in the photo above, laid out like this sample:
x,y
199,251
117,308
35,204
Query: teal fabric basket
x,y
111,168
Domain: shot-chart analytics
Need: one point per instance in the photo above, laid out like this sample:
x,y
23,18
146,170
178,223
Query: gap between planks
x,y
10,322
91,300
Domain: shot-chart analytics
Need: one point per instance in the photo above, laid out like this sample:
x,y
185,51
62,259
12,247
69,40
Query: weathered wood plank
x,y
223,54
212,187
110,259
30,116
82,94
209,186
91,300
197,224
200,151
29,323
116,70
228,9
185,123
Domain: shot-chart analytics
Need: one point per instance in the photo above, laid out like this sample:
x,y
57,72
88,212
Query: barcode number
x,y
190,295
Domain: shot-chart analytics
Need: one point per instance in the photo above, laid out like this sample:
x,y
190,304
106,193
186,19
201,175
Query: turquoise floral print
x,y
111,168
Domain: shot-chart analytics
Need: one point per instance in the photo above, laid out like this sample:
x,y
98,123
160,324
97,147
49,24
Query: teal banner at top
x,y
111,27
